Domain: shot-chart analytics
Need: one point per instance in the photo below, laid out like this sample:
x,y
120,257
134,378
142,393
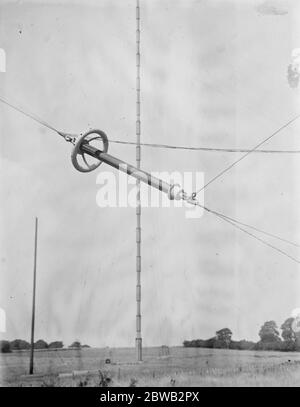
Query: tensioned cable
x,y
37,119
255,228
249,152
154,145
243,230
209,149
30,115
259,239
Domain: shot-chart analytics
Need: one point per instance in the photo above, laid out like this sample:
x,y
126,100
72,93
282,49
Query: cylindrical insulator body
x,y
129,169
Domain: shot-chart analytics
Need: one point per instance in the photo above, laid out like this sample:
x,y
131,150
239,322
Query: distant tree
x,y
242,345
223,337
199,343
56,345
275,345
295,326
297,342
5,347
19,344
210,343
219,344
85,346
41,344
288,334
269,332
75,344
246,345
288,346
234,345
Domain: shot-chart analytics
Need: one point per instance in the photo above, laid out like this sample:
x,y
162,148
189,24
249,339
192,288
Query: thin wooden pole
x,y
33,299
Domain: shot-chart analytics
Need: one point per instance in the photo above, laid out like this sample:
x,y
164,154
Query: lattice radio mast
x,y
138,339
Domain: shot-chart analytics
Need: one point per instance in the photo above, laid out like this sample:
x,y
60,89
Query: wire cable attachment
x,y
69,138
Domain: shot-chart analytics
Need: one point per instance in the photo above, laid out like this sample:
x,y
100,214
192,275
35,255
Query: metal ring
x,y
84,139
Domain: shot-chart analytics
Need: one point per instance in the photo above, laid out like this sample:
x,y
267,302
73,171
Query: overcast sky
x,y
214,74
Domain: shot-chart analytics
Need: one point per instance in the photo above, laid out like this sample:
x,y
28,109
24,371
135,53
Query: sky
x,y
213,74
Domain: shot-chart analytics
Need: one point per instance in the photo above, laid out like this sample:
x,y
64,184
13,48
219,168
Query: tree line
x,y
20,344
270,338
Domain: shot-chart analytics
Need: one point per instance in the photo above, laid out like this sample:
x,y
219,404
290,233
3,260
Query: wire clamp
x,y
70,138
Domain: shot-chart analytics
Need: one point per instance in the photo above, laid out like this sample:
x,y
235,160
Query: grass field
x,y
182,367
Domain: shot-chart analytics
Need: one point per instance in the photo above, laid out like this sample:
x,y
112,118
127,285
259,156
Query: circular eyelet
x,y
79,158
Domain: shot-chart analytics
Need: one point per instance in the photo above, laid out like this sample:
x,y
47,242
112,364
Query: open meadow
x,y
180,367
